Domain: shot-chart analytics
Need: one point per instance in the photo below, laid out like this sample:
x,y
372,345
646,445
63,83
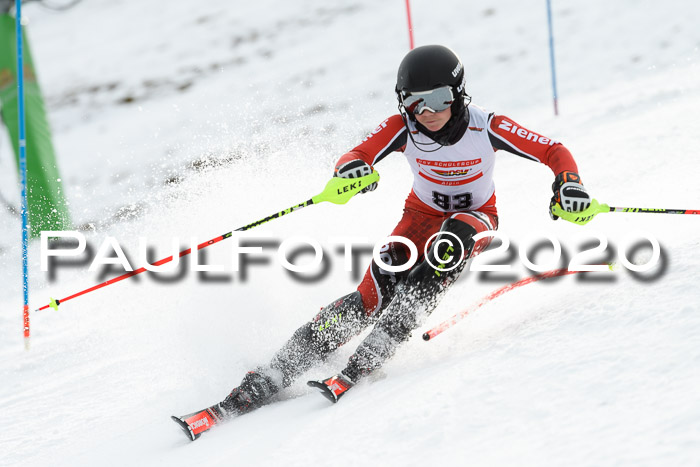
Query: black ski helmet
x,y
429,67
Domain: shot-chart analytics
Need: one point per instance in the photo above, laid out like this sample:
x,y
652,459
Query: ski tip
x,y
334,387
196,423
185,427
327,393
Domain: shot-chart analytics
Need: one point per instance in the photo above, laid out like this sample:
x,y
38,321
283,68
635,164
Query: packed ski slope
x,y
190,119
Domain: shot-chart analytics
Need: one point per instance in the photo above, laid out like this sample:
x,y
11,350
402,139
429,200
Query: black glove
x,y
569,193
355,168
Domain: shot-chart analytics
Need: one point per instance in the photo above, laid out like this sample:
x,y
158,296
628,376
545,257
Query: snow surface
x,y
190,119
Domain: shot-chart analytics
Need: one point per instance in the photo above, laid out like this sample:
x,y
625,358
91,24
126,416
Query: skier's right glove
x,y
569,194
355,168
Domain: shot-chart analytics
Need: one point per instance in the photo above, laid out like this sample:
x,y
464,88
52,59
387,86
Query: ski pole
x,y
337,191
596,208
655,211
496,293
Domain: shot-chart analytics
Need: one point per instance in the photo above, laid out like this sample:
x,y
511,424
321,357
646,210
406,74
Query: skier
x,y
450,145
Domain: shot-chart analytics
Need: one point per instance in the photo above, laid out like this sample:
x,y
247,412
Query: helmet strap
x,y
405,116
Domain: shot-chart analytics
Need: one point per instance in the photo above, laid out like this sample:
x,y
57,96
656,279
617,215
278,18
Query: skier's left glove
x,y
355,168
569,194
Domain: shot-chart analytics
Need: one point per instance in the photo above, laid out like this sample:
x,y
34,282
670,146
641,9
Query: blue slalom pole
x,y
551,57
22,169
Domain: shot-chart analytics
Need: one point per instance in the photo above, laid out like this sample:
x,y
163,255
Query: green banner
x,y
48,209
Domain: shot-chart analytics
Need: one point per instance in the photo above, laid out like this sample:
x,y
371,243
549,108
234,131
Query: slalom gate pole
x,y
23,170
337,191
495,294
410,24
551,57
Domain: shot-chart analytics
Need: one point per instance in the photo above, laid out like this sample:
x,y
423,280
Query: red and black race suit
x,y
449,181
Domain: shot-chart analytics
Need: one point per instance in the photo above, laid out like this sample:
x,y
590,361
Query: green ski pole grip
x,y
340,190
583,217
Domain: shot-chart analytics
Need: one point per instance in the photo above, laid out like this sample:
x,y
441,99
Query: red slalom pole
x,y
495,294
410,24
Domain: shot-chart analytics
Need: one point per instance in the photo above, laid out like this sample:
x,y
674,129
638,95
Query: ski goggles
x,y
435,100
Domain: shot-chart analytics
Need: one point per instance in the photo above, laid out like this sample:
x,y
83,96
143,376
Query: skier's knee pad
x,y
428,280
454,243
447,254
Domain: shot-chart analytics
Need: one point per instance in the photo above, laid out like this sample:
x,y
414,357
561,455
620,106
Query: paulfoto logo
x,y
71,249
